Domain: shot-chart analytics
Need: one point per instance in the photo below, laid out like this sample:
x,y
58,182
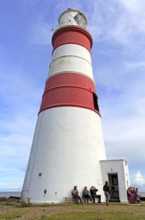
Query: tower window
x,y
95,99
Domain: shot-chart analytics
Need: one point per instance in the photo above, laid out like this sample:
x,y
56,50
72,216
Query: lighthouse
x,y
68,142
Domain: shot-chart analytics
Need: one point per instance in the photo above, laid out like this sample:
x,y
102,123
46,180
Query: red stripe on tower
x,y
69,90
72,35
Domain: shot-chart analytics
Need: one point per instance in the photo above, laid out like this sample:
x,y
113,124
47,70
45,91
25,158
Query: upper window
x,y
95,99
80,20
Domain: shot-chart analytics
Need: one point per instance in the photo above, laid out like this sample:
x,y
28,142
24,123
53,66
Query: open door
x,y
114,189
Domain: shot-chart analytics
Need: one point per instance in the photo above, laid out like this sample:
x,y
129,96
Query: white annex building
x,y
68,145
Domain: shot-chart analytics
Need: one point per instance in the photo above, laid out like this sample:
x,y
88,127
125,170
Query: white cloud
x,y
134,6
139,179
118,21
135,65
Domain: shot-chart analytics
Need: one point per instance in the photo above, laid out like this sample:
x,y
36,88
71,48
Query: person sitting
x,y
86,194
129,192
131,195
93,192
137,196
75,195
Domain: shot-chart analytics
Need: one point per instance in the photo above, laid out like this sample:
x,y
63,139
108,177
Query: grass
x,y
10,216
107,213
94,216
115,211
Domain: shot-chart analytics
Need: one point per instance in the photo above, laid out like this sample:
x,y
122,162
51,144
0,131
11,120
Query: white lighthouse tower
x,y
68,142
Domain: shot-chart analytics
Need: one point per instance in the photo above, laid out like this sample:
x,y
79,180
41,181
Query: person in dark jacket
x,y
93,192
106,192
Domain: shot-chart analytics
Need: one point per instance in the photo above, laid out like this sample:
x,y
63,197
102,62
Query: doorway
x,y
114,189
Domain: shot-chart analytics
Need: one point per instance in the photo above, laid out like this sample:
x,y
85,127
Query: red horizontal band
x,y
72,35
69,89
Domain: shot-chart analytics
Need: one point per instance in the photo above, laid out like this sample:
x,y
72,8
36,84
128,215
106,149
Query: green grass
x,y
10,216
94,216
115,211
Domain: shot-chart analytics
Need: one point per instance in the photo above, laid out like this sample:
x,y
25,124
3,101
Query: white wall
x,y
120,167
65,155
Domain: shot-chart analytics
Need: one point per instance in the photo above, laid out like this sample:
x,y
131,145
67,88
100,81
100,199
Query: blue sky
x,y
118,56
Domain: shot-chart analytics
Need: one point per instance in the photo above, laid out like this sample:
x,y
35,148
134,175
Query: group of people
x,y
133,195
91,195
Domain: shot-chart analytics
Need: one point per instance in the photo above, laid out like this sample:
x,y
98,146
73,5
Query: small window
x,y
114,180
95,99
45,191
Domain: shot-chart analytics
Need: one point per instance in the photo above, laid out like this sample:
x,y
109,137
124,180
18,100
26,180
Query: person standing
x,y
106,192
